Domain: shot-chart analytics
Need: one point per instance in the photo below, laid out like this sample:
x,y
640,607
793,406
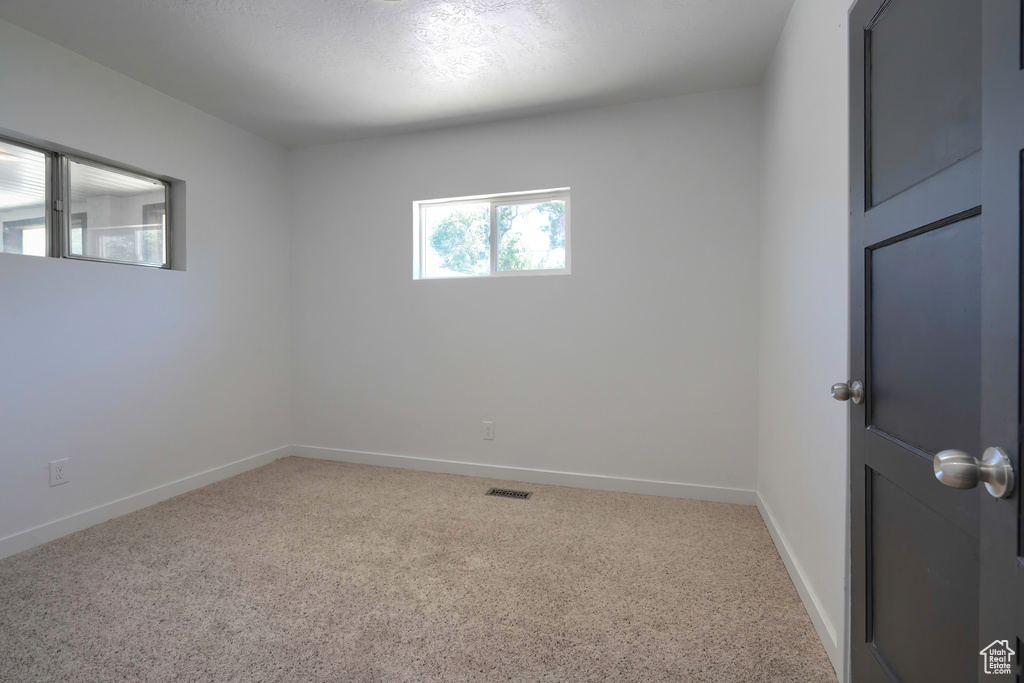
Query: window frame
x,y
58,209
65,217
49,195
493,201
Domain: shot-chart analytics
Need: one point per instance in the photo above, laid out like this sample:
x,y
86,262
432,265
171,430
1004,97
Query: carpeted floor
x,y
306,570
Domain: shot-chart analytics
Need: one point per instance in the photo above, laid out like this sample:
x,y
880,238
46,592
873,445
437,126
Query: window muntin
x,y
23,200
524,233
62,206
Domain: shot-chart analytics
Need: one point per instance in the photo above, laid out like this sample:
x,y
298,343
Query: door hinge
x,y
58,205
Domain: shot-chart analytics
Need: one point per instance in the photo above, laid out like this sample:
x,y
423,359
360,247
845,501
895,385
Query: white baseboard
x,y
670,489
822,624
23,540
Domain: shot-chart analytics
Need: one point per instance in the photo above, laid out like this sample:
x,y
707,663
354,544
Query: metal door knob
x,y
853,391
961,471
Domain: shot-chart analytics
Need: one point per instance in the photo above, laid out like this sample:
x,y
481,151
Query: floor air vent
x,y
509,493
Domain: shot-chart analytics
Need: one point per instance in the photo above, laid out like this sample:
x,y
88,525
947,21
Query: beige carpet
x,y
315,571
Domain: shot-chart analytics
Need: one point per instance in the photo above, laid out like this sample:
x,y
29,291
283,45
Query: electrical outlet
x,y
489,431
59,472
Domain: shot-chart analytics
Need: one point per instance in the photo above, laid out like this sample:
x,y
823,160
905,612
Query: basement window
x,y
65,206
521,233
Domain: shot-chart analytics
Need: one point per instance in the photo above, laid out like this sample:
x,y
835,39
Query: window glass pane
x,y
531,236
457,240
114,215
78,221
22,200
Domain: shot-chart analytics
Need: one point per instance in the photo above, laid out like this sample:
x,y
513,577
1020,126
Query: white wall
x,y
802,465
141,377
641,364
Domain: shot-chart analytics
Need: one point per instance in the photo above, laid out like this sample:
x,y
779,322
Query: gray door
x,y
935,338
1002,586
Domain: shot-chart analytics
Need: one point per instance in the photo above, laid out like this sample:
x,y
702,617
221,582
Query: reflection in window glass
x,y
531,236
120,217
23,175
78,223
458,242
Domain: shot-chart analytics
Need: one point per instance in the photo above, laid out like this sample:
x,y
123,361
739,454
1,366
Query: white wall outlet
x,y
59,472
489,431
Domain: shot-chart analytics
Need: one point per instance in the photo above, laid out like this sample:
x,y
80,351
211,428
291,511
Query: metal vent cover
x,y
510,493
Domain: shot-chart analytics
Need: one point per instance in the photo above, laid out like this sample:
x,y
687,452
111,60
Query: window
x,y
524,233
55,204
23,200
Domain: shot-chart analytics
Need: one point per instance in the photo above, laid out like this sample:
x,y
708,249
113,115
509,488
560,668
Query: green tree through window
x,y
522,232
461,239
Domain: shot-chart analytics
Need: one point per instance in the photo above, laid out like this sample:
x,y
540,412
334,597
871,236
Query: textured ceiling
x,y
304,72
